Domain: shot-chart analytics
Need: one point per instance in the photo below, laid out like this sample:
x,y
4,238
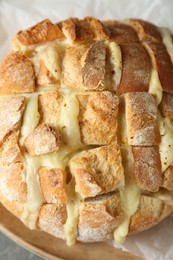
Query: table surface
x,y
9,250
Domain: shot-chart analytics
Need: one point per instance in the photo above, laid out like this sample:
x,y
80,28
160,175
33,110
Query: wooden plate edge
x,y
27,245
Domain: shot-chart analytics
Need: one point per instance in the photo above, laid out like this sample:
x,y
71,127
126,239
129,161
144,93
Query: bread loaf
x,y
86,112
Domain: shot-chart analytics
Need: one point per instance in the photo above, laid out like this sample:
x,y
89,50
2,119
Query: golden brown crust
x,y
52,219
49,108
98,170
11,110
83,30
16,75
84,66
141,116
42,32
99,218
52,185
42,140
146,30
150,212
147,168
10,150
121,33
98,109
136,67
93,66
162,63
168,178
13,190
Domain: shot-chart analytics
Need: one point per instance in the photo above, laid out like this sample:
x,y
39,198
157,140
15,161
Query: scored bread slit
x,y
158,43
51,160
166,144
164,196
69,120
69,124
34,195
167,40
130,192
160,194
122,125
113,66
69,110
155,87
73,205
48,63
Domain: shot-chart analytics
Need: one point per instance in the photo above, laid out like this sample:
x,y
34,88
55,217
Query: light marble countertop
x,y
9,250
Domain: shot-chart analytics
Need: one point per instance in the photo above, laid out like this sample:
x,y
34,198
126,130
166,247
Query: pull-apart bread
x,y
86,136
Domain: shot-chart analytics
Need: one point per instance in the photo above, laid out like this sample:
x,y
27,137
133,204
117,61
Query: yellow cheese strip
x,y
167,40
69,120
50,56
34,194
71,225
166,144
155,87
116,63
45,89
130,195
31,117
165,197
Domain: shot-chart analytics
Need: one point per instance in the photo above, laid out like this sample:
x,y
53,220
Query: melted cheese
x,y
71,225
130,196
165,197
167,40
51,53
155,87
166,144
34,194
50,56
116,62
55,160
69,120
32,164
50,88
31,117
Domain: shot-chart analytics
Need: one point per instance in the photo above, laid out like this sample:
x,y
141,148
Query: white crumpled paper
x,y
156,243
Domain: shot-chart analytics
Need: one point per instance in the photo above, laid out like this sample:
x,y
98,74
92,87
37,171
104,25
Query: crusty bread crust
x,y
87,128
44,31
17,74
147,168
149,213
90,120
141,116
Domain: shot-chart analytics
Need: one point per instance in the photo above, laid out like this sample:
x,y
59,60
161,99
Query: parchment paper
x,y
156,243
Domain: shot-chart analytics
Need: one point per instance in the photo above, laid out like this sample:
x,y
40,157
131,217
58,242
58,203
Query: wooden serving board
x,y
53,248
